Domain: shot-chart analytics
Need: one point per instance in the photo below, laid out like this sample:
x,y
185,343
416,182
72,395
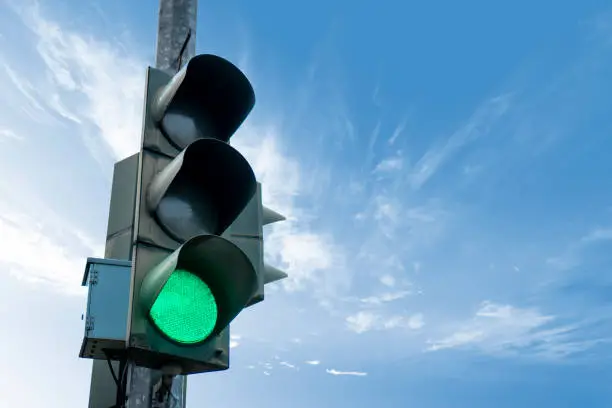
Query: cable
x,y
120,381
110,366
122,389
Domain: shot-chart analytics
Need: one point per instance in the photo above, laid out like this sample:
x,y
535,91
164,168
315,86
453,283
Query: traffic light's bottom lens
x,y
185,310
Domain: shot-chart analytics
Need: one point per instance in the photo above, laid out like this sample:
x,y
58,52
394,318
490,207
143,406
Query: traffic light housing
x,y
188,281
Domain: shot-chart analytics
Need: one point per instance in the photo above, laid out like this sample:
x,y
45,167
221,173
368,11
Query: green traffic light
x,y
185,309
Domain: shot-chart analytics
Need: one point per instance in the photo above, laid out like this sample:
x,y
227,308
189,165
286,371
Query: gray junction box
x,y
108,299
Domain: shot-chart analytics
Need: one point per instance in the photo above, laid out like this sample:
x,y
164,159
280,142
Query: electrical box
x,y
108,296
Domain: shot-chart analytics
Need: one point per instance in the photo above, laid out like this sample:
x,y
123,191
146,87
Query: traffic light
x,y
188,281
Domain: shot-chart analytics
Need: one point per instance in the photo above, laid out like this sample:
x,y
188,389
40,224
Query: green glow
x,y
185,310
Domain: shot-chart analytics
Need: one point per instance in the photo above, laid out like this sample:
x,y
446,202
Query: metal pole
x,y
176,34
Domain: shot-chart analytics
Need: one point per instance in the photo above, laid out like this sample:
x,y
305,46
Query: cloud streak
x,y
44,250
9,134
365,321
478,125
571,257
88,82
506,330
349,373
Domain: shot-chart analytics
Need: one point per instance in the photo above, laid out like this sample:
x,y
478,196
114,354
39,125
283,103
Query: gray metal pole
x,y
176,33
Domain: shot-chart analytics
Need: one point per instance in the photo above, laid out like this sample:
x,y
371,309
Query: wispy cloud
x,y
389,165
352,373
313,362
478,125
508,330
372,143
394,215
572,255
387,280
88,81
397,132
33,107
386,297
9,134
42,248
365,321
597,234
288,365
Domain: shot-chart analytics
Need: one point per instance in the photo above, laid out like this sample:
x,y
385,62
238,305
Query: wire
x,y
110,366
122,389
120,381
179,60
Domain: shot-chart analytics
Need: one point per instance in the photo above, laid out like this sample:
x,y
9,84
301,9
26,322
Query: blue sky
x,y
444,166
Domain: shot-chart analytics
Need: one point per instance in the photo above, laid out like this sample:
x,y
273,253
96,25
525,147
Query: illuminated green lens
x,y
185,309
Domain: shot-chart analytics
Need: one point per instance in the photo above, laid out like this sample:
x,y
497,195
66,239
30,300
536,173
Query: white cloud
x,y
362,321
234,344
87,80
565,261
365,321
288,365
397,132
417,224
313,362
413,322
479,124
372,143
31,106
387,280
457,339
352,373
9,134
386,297
416,321
505,329
44,250
305,253
389,164
598,234
387,209
388,214
571,256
